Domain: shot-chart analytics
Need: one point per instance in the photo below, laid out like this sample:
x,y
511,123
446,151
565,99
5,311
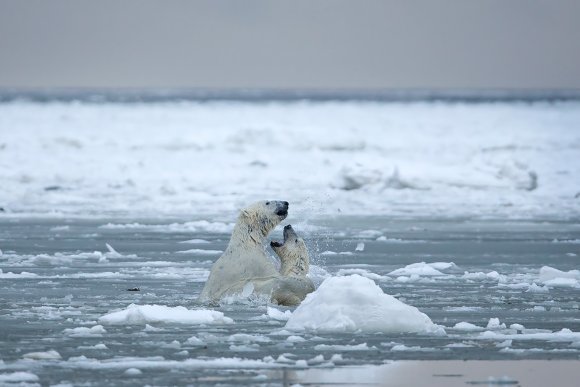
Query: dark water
x,y
71,290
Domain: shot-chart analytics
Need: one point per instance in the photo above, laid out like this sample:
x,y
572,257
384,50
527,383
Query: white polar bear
x,y
293,253
295,261
245,267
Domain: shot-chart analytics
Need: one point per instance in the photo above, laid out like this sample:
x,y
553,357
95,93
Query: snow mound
x,y
142,314
352,303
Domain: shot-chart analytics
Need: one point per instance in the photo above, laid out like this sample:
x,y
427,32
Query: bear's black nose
x,y
286,204
288,227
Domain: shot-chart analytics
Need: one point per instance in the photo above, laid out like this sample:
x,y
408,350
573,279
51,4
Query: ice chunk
x,y
277,314
112,252
141,314
549,273
338,347
480,276
18,377
559,336
196,241
361,272
360,246
10,275
48,355
421,268
557,278
200,252
295,339
533,288
97,330
495,324
562,282
348,304
465,326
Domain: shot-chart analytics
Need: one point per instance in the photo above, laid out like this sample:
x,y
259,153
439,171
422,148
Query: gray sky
x,y
290,44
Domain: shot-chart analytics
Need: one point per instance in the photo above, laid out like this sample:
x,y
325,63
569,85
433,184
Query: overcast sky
x,y
290,44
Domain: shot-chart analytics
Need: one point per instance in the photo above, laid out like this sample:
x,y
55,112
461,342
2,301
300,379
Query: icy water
x,y
59,277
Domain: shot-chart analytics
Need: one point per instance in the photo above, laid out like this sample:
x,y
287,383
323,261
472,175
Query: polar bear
x,y
293,254
245,267
293,286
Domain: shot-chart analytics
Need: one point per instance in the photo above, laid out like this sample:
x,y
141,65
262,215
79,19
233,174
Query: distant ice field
x,y
190,159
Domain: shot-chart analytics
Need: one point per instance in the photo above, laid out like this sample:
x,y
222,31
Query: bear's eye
x,y
267,203
296,241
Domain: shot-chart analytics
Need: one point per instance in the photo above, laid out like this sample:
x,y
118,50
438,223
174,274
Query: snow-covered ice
x,y
375,158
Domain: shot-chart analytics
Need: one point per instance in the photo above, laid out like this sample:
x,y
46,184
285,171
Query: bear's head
x,y
260,218
293,253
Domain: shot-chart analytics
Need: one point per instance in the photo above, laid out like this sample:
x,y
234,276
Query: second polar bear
x,y
295,262
293,253
245,268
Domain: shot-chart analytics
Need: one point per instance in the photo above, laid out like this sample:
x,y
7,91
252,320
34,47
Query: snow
x,y
371,158
352,303
142,314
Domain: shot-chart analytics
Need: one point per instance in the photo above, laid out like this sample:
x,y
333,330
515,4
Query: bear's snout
x,y
282,209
